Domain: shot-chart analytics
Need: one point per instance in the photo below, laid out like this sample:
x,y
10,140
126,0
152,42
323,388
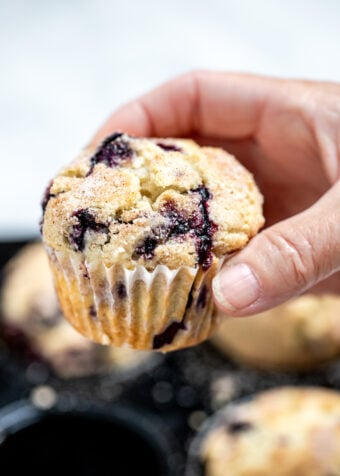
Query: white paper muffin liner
x,y
162,309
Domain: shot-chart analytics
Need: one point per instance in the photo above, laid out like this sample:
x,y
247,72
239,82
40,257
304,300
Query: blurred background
x,y
66,65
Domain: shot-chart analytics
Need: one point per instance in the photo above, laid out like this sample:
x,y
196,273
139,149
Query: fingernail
x,y
236,287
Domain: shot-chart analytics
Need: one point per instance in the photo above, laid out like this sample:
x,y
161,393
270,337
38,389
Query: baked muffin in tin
x,y
287,431
298,335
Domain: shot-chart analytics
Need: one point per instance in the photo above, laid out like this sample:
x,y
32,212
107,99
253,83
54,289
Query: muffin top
x,y
298,334
286,432
152,201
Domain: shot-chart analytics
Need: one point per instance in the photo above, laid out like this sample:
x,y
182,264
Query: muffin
x,y
282,432
135,229
31,316
298,335
28,299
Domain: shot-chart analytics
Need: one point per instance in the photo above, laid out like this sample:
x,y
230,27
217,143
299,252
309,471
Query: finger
x,y
211,104
283,261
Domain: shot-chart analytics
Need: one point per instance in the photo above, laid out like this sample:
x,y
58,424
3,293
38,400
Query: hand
x,y
288,134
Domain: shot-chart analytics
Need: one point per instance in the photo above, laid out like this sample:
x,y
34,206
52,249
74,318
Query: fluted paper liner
x,y
162,309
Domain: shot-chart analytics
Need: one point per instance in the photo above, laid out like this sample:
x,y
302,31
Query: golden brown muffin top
x,y
282,432
298,334
152,201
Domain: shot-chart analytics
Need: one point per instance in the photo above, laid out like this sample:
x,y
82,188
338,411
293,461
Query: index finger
x,y
212,104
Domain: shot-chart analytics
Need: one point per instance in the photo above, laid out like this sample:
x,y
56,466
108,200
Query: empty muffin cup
x,y
80,442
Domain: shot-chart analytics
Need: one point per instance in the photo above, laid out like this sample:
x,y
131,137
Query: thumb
x,y
282,261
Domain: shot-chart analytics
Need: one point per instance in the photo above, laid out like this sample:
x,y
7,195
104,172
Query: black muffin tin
x,y
149,420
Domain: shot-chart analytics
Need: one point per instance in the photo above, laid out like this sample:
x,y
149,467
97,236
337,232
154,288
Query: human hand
x,y
288,134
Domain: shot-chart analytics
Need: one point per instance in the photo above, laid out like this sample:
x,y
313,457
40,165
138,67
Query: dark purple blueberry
x,y
167,336
147,248
169,147
170,332
204,193
202,298
179,223
122,222
198,225
205,232
189,301
239,427
46,197
113,151
86,221
92,311
112,137
121,290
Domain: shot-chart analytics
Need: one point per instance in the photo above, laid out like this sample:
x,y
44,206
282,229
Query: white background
x,y
66,64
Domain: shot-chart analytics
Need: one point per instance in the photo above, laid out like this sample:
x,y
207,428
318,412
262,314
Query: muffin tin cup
x,y
93,440
159,310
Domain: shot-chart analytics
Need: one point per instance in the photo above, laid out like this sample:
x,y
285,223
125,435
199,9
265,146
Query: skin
x,y
287,132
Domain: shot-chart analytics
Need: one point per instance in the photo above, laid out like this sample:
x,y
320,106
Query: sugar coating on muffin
x,y
286,432
152,201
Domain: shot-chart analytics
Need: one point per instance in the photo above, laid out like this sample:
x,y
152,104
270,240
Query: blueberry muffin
x,y
31,316
28,298
282,432
298,335
135,228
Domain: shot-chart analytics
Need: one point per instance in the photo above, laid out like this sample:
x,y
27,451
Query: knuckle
x,y
196,73
142,105
297,257
195,77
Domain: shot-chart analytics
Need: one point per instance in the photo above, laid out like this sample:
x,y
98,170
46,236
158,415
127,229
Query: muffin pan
x,y
164,406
